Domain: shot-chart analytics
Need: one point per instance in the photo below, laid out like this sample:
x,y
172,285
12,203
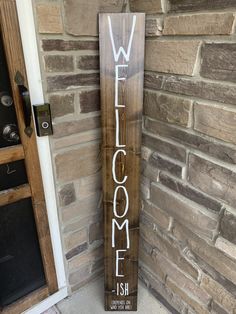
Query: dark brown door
x,y
27,271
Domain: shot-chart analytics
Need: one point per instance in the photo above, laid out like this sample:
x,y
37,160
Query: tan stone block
x,y
218,293
199,24
177,57
146,6
89,100
228,227
165,164
146,152
76,126
216,121
213,179
49,18
80,274
77,139
184,211
80,222
186,286
165,246
84,208
209,254
149,171
64,82
226,247
78,163
61,105
160,216
190,193
68,45
88,62
216,91
159,289
218,62
75,238
88,185
85,258
147,260
217,309
193,5
154,27
95,232
192,139
81,16
163,147
58,63
167,108
189,298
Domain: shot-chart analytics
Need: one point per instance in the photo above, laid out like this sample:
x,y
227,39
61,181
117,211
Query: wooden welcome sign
x,y
121,68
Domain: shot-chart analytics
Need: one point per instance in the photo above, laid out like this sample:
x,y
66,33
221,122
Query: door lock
x,y
10,133
6,100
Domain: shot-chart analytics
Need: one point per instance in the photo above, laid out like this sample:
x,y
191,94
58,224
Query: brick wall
x,y
188,216
69,66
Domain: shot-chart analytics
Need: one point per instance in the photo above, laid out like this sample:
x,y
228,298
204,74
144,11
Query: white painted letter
x,y
126,203
126,224
121,49
126,288
114,167
118,130
117,85
117,262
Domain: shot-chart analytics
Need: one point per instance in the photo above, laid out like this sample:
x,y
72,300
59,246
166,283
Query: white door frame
x,y
30,50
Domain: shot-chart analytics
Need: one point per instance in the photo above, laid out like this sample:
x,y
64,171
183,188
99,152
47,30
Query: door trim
x,y
30,50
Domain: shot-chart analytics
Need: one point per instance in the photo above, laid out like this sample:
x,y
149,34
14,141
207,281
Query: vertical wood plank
x,y
121,257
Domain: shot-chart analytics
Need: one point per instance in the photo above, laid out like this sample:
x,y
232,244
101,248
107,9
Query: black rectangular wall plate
x,y
43,120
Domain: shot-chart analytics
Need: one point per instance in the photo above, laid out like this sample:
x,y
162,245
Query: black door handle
x,y
26,109
26,105
25,96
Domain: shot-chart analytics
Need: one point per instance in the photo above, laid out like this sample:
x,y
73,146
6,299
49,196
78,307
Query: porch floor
x,y
89,300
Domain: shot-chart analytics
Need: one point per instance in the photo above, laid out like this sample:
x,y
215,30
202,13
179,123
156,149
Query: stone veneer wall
x,y
69,66
188,220
188,217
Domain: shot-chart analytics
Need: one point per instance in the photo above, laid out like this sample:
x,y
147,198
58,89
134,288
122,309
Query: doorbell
x,y
43,120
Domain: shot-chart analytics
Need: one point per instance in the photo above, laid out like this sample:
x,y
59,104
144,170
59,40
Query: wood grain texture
x,y
15,194
10,154
130,117
13,49
26,302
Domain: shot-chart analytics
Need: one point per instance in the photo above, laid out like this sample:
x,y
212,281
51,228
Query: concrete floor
x,y
89,300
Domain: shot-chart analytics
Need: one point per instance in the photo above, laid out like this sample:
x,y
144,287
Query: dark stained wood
x,y
9,154
26,302
130,95
12,43
15,194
